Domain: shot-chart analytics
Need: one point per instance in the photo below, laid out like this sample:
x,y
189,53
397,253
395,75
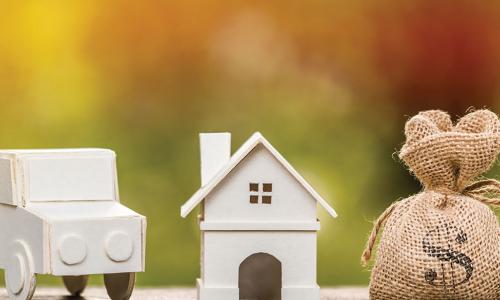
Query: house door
x,y
260,278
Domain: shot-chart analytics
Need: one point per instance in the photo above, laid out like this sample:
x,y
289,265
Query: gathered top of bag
x,y
447,156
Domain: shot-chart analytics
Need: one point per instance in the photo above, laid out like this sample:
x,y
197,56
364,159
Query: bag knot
x,y
444,194
486,191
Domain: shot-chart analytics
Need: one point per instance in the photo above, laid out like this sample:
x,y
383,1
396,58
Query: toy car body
x,y
60,214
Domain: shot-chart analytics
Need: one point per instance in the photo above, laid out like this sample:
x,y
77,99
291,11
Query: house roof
x,y
238,156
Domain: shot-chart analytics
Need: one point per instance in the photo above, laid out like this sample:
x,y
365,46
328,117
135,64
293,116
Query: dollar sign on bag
x,y
438,243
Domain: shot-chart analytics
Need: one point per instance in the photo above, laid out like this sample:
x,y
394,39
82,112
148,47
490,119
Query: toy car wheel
x,y
75,284
119,285
20,278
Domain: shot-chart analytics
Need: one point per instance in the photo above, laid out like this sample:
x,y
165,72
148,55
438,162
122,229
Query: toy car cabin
x,y
60,214
258,223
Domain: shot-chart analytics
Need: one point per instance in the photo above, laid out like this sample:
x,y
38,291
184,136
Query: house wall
x,y
230,200
224,251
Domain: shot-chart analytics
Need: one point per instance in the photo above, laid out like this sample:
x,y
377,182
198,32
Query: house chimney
x,y
215,151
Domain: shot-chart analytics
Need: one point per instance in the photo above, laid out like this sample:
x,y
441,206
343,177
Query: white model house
x,y
258,223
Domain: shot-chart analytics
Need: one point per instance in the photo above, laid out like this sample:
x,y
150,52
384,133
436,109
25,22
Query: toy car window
x,y
70,178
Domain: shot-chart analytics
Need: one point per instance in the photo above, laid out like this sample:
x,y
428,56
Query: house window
x,y
254,199
260,193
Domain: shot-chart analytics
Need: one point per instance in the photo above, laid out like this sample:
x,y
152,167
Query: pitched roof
x,y
237,157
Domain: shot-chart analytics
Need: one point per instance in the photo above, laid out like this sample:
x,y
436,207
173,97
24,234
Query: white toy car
x,y
60,214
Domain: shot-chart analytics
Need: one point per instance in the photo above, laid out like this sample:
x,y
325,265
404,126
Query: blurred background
x,y
329,83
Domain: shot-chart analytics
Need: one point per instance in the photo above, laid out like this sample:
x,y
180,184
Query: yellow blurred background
x,y
329,83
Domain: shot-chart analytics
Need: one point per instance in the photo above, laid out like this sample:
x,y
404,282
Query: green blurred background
x,y
329,83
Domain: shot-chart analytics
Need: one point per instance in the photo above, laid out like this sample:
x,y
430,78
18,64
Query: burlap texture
x,y
443,243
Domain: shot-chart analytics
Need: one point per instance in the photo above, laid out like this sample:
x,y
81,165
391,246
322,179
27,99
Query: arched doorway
x,y
260,278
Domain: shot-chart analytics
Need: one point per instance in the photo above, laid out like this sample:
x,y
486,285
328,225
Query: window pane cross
x,y
261,193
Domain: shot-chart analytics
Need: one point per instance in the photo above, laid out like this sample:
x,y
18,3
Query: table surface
x,y
94,293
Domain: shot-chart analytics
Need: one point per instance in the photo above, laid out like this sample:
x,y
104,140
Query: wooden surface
x,y
341,293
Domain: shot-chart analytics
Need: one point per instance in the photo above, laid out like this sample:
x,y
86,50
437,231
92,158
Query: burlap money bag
x,y
443,243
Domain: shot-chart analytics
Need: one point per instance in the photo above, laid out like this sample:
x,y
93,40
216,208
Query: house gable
x,y
259,189
255,140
